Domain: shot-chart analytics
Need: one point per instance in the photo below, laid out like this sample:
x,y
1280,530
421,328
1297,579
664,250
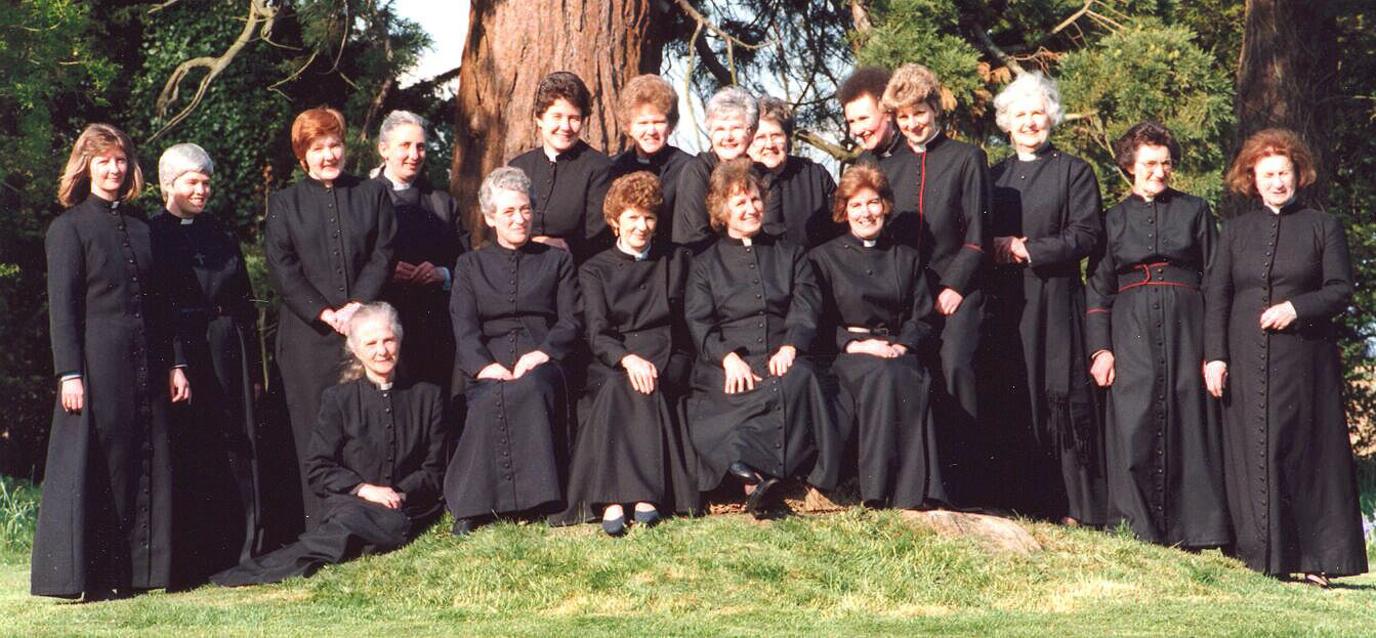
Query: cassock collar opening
x,y
1163,197
102,203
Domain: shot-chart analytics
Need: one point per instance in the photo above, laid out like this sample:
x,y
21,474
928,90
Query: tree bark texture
x,y
1287,76
512,45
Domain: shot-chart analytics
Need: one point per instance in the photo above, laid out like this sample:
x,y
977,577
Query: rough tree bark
x,y
1287,76
512,45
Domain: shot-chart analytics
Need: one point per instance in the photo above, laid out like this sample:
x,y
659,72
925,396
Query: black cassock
x,y
1161,434
325,246
1039,401
941,198
568,196
752,299
390,437
218,491
429,229
692,225
106,516
666,165
1292,490
879,292
633,447
798,203
513,449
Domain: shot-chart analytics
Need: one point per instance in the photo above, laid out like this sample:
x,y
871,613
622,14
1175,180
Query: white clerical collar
x,y
922,148
745,241
1275,210
869,243
397,185
187,221
1028,157
639,256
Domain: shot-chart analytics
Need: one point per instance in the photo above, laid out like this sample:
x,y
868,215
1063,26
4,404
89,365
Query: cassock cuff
x,y
448,277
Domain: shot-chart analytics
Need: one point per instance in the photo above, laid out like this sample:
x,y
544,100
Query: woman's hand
x,y
427,274
739,376
1216,378
875,348
330,318
1102,368
178,386
1279,316
782,360
556,242
343,315
382,495
948,302
1017,247
641,372
496,372
404,273
528,361
73,393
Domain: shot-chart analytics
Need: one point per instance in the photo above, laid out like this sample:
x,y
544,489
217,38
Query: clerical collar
x,y
380,385
639,256
1276,210
1034,155
396,184
869,243
922,148
187,221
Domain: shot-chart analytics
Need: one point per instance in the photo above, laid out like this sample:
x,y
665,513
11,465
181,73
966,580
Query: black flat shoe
x,y
744,472
648,519
462,527
756,498
614,527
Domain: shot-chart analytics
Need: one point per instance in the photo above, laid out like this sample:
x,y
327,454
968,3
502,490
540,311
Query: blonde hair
x,y
98,139
353,370
912,84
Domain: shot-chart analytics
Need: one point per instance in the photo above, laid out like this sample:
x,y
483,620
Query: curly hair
x,y
313,124
639,190
1028,84
912,84
1146,133
562,85
856,178
772,108
1241,177
729,178
98,139
866,80
647,90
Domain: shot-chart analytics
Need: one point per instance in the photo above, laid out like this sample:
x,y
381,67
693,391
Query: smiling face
x,y
510,218
189,194
108,171
1030,123
636,228
744,213
917,123
375,345
770,144
560,126
403,152
865,213
1151,170
1275,176
649,130
325,158
730,135
867,122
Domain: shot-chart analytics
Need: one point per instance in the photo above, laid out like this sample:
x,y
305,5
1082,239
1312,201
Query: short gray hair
x,y
397,119
734,100
506,178
1033,84
353,370
180,159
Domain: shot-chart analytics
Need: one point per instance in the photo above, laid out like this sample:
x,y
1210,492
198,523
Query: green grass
x,y
858,572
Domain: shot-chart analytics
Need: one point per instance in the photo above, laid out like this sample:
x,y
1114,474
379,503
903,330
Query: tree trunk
x,y
1287,76
512,45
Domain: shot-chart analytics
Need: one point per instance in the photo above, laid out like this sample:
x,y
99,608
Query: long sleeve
x,y
66,297
284,264
378,269
606,344
975,188
916,328
1083,230
1101,290
595,225
471,352
805,306
563,335
692,229
425,481
701,314
1333,297
326,474
1218,296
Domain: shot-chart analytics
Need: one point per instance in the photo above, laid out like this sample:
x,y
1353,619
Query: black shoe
x,y
615,526
756,498
648,519
744,472
462,527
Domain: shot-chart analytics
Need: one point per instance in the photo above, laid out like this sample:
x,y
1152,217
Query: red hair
x,y
313,124
1241,177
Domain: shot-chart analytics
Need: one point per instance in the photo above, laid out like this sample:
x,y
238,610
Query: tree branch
x,y
709,59
696,16
860,16
840,153
987,43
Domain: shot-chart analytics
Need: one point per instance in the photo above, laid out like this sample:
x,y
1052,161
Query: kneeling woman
x,y
878,301
631,447
375,459
513,305
757,410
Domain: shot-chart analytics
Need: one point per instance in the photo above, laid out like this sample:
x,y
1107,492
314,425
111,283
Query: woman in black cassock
x,y
1039,402
514,308
376,459
941,197
569,178
798,191
877,300
1279,277
648,110
429,238
219,519
1146,332
732,115
328,241
104,525
631,445
756,410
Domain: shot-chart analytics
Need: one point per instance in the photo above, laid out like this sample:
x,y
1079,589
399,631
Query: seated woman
x,y
757,410
514,308
876,298
375,460
631,447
